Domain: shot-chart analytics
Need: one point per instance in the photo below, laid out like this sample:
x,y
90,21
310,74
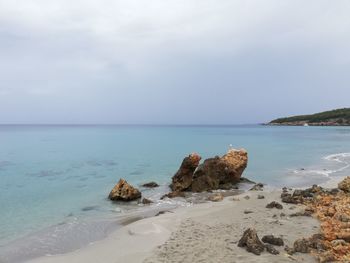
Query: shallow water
x,y
61,175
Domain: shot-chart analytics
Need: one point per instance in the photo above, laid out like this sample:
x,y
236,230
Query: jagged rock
x,y
274,204
345,185
302,245
251,241
277,241
257,187
218,171
182,180
271,249
146,201
123,191
289,199
216,197
150,185
173,194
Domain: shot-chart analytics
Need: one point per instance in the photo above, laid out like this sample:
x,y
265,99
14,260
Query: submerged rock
x,y
218,171
182,180
345,185
123,191
150,185
251,242
146,201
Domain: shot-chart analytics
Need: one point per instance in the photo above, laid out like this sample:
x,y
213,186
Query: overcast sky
x,y
171,61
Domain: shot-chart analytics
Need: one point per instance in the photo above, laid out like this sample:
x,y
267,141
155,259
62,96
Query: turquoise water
x,y
52,175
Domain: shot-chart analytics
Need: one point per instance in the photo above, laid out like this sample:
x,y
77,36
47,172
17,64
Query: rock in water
x,y
183,178
251,241
123,191
345,185
150,185
220,171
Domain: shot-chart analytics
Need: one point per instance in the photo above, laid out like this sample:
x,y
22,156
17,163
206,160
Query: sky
x,y
171,61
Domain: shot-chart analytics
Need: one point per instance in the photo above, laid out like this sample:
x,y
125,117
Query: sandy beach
x,y
206,232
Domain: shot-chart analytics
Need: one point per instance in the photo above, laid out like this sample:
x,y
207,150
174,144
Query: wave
x,y
341,161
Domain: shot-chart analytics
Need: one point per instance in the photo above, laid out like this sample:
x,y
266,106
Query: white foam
x,y
340,158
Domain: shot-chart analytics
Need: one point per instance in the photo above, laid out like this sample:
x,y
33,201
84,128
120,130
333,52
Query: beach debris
x,y
271,239
150,185
257,187
274,204
345,185
123,191
271,249
182,180
173,194
146,201
220,171
216,197
261,197
251,242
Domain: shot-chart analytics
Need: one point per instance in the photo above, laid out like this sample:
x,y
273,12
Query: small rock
x,y
216,197
146,201
257,187
261,197
150,185
289,250
274,204
247,197
235,199
271,249
277,241
173,194
282,214
247,211
338,242
251,241
301,245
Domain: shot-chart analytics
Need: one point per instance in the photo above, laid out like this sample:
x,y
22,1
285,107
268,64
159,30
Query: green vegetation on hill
x,y
336,117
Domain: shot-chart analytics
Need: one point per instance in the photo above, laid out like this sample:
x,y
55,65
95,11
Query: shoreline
x,y
144,240
140,228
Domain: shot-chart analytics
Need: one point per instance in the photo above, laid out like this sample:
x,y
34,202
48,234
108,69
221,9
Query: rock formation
x,y
150,185
123,191
219,171
251,241
345,185
183,178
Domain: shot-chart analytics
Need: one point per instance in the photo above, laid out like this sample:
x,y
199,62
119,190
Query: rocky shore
x,y
260,225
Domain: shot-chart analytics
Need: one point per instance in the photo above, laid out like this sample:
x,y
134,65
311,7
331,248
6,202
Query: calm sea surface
x,y
61,175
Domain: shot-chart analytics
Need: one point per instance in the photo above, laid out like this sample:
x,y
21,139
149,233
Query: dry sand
x,y
206,232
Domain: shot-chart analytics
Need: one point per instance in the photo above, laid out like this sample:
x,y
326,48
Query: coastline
x,y
210,229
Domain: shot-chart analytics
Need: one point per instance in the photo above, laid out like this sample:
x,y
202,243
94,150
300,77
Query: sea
x,y
55,179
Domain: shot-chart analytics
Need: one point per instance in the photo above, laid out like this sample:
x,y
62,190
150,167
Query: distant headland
x,y
338,117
